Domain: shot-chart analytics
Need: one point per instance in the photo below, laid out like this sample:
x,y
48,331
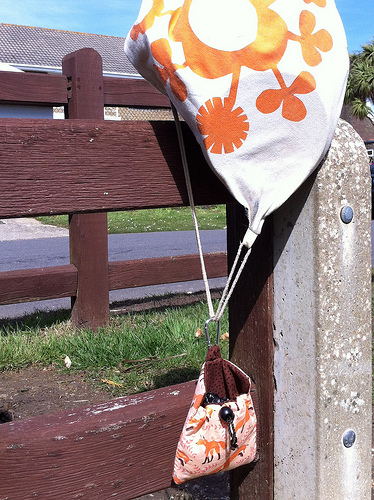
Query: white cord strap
x,y
192,206
232,278
232,281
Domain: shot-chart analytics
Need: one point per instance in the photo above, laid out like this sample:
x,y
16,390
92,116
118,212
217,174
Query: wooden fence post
x,y
88,232
251,347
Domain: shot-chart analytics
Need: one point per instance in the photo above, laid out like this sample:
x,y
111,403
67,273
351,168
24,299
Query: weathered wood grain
x,y
38,284
88,233
41,89
252,348
67,166
123,448
157,271
88,240
61,281
33,88
133,92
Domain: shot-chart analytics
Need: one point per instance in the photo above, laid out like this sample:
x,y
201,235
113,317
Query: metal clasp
x,y
207,331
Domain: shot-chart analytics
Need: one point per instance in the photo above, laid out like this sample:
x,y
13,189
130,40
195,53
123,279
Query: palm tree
x,y
360,87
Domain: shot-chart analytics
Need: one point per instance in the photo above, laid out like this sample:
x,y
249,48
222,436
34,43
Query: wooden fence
x,y
79,166
86,167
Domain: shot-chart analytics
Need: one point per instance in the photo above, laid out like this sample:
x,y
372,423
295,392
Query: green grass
x,y
159,219
46,339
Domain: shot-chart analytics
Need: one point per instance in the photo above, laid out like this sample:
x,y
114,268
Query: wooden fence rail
x,y
61,281
97,166
86,167
77,166
81,166
54,90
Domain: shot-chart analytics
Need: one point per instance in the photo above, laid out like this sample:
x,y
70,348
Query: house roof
x,y
27,47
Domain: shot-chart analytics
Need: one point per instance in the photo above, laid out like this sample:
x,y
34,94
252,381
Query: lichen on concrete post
x,y
322,330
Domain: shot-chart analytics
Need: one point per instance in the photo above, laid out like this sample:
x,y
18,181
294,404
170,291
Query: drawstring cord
x,y
192,206
232,278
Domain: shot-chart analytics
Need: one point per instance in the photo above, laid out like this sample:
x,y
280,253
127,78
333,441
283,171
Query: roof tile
x,y
34,46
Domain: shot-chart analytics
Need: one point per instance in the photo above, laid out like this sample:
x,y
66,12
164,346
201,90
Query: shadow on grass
x,y
156,303
157,381
38,319
163,302
175,376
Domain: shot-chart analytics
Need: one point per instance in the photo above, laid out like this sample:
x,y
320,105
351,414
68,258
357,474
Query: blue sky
x,y
115,17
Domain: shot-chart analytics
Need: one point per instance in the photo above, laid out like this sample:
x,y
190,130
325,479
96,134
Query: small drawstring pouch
x,y
219,433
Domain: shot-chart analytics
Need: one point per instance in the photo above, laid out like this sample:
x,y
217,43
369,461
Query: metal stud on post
x,y
349,438
346,214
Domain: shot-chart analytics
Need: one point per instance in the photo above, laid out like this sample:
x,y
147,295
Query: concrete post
x,y
322,331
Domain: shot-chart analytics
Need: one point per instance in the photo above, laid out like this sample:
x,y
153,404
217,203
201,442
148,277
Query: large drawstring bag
x,y
260,83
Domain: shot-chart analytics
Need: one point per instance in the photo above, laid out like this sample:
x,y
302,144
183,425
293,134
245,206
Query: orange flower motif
x,y
161,51
223,126
321,40
293,108
319,3
149,19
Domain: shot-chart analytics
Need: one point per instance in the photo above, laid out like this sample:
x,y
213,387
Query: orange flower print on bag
x,y
222,63
259,82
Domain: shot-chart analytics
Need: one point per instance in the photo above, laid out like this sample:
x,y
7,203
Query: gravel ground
x,y
28,229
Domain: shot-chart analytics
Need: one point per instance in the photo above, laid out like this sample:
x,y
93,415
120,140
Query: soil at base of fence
x,y
34,391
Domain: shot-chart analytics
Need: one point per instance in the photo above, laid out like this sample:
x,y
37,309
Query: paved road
x,y
25,245
38,251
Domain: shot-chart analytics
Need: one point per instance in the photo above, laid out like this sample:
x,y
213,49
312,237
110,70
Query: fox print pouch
x,y
219,433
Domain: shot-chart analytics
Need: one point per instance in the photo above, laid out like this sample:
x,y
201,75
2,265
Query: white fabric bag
x,y
260,83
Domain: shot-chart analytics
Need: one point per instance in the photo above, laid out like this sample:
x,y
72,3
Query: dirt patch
x,y
34,391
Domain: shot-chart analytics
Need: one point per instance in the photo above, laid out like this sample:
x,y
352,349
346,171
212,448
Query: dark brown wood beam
x,y
157,271
136,93
123,448
55,282
52,90
38,284
70,166
33,89
252,348
88,233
